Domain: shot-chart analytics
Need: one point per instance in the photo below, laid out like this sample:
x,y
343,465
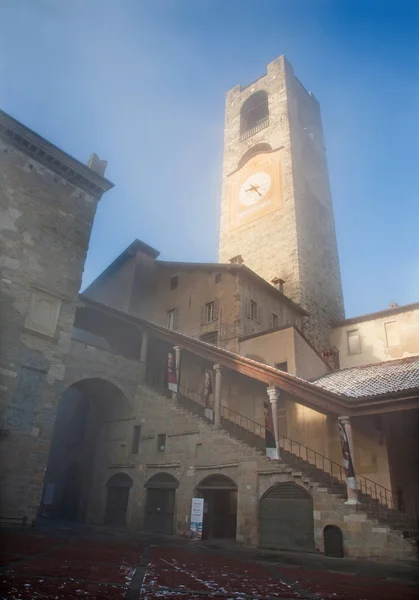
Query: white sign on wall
x,y
197,517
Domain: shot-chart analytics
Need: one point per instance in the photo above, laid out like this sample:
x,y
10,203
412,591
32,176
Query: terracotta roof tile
x,y
373,380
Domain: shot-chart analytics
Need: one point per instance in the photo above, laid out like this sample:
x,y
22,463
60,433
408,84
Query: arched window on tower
x,y
254,111
256,149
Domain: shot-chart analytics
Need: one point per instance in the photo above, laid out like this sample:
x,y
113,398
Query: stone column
x,y
143,356
273,394
177,365
217,394
345,432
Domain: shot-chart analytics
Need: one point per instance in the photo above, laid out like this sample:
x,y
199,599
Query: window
x,y
136,439
392,333
254,111
252,310
354,341
274,321
282,366
218,278
161,442
209,312
174,282
172,318
210,338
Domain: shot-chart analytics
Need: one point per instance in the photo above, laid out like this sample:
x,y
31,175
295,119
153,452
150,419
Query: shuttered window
x,y
354,341
209,312
172,318
252,310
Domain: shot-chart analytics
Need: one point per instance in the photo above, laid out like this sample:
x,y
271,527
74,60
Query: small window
x,y
282,366
274,321
172,318
210,338
392,333
161,442
354,341
174,282
209,312
253,310
136,439
218,278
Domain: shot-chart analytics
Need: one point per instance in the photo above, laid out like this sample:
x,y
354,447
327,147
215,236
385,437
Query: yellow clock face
x,y
256,188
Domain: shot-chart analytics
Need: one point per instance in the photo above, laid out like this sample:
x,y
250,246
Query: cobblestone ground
x,y
35,567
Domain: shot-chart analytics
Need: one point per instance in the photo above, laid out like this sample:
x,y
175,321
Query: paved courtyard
x,y
66,565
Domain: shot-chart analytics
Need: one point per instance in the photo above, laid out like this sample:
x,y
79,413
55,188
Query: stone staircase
x,y
299,467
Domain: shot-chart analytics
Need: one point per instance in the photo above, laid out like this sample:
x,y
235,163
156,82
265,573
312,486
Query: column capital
x,y
217,367
176,348
273,393
344,419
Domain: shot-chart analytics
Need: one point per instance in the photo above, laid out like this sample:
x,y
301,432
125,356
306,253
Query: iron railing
x,y
377,500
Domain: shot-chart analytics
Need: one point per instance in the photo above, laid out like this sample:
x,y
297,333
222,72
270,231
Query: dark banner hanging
x,y
271,449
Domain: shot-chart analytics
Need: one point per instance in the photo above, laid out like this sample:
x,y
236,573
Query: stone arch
x,y
162,480
252,151
82,377
220,506
160,503
333,541
254,110
120,480
117,498
286,519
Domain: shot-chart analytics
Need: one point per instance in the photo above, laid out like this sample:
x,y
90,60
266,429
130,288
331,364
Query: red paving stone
x,y
345,586
101,571
186,572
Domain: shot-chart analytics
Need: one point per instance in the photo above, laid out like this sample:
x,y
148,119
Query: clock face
x,y
254,188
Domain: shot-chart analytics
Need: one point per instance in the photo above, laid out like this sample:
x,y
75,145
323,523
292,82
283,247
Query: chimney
x,y
278,284
237,260
394,305
97,165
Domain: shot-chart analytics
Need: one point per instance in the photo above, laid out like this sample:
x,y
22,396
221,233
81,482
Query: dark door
x,y
116,506
333,541
286,518
160,510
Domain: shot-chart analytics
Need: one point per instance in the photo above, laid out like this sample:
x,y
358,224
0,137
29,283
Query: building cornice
x,y
34,146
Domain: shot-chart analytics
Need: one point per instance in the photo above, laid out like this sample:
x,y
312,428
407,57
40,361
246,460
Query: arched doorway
x,y
333,541
286,518
70,498
117,496
220,506
160,503
89,415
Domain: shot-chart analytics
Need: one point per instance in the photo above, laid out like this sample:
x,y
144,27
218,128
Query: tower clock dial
x,y
254,188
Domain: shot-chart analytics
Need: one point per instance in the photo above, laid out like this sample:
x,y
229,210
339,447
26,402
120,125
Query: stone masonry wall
x,y
297,242
45,225
194,450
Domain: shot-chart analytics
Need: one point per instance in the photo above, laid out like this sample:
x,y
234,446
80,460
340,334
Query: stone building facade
x,y
273,139
48,202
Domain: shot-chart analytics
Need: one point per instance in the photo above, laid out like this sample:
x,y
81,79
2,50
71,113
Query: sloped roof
x,y
372,380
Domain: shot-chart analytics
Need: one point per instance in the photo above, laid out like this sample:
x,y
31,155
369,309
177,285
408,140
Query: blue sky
x,y
142,84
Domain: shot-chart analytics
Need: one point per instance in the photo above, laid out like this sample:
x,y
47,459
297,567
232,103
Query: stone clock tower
x,y
276,208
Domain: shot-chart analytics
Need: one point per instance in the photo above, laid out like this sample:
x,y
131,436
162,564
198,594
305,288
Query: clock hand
x,y
254,188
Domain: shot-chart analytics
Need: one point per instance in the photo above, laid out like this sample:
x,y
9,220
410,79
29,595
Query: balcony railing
x,y
377,500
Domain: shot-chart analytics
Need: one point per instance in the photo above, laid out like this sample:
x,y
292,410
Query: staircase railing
x,y
373,497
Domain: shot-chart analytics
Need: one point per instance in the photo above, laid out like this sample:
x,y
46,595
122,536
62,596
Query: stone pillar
x,y
143,356
345,433
217,394
273,394
177,366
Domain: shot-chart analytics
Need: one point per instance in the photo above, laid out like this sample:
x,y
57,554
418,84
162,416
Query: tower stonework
x,y
276,208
